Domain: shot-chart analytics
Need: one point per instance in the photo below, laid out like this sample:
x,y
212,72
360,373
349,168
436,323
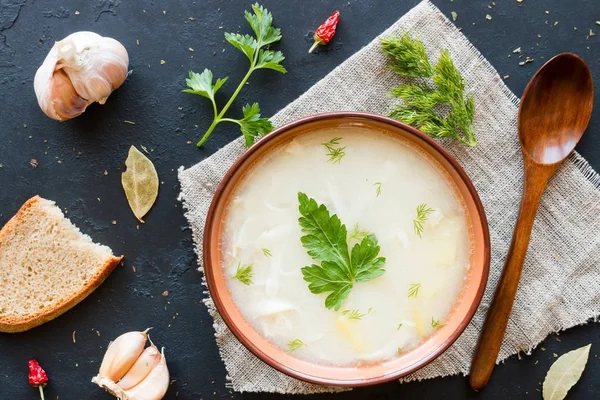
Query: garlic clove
x,y
122,354
149,358
66,103
155,385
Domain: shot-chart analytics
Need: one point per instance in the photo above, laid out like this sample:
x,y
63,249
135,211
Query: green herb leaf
x,y
399,326
244,274
436,324
377,188
201,84
441,111
295,345
261,22
245,43
357,233
355,314
271,60
253,125
413,289
422,212
335,153
266,252
399,350
325,241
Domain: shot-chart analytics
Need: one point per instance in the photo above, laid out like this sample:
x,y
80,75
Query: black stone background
x,y
73,156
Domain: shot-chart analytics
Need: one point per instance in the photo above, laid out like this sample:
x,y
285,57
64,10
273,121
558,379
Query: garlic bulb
x,y
81,69
130,372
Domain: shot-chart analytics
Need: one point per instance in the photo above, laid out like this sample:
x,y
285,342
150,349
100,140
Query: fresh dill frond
x,y
422,212
244,274
358,234
436,324
266,252
399,350
377,188
295,345
436,104
335,153
355,314
399,326
413,289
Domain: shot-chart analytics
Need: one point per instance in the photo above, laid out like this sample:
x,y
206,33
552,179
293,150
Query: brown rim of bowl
x,y
210,278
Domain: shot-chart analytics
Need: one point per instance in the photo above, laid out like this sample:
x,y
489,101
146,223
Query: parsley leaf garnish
x,y
424,104
325,241
244,274
251,125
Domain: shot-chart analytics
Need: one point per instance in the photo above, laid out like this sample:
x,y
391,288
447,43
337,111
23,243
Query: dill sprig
x,y
244,274
399,350
355,314
358,234
422,212
413,289
399,326
335,153
377,188
295,345
266,252
436,323
440,110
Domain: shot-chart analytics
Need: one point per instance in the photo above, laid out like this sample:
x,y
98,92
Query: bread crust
x,y
8,325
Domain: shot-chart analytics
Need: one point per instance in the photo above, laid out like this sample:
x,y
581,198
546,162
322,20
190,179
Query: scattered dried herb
x,y
454,15
564,373
436,323
251,125
440,110
140,182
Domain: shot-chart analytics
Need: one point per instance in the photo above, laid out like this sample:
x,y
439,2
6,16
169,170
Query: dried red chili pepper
x,y
326,31
37,377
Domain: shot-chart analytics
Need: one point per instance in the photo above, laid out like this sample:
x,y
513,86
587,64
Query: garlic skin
x,y
81,69
122,354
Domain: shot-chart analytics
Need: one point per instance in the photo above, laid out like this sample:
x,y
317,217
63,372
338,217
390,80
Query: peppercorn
x,y
326,31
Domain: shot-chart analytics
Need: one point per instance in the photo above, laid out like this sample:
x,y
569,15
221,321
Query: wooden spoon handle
x,y
536,178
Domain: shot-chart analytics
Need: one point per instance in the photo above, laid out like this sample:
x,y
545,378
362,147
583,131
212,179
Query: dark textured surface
x,y
73,156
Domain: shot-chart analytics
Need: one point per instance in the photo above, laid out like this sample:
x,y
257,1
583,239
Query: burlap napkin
x,y
560,285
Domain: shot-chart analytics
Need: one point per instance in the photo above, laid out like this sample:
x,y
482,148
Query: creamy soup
x,y
374,183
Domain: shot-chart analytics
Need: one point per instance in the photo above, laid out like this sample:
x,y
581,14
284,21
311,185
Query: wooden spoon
x,y
555,110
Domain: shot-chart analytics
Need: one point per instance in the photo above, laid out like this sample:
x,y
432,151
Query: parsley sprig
x,y
325,239
251,125
440,110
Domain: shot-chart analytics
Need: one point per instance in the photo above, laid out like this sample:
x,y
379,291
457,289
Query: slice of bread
x,y
46,266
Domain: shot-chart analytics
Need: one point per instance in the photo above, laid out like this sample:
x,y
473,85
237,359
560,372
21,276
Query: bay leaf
x,y
564,373
140,182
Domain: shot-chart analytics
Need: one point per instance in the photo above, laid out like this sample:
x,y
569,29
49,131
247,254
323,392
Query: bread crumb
x,y
165,293
105,172
74,336
114,222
